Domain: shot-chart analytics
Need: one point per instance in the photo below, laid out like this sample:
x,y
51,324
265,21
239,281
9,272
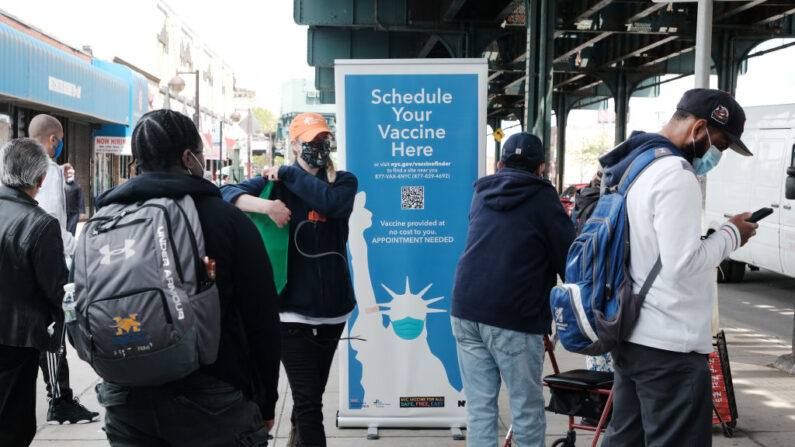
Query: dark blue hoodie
x,y
616,162
519,236
318,287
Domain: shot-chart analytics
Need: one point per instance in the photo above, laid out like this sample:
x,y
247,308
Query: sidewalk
x,y
765,396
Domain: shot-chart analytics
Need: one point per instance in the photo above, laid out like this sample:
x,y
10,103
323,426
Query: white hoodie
x,y
664,212
52,199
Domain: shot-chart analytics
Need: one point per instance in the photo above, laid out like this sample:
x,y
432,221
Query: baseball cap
x,y
721,111
306,126
524,145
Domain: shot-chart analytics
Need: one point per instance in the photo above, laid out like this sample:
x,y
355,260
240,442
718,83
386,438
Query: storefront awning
x,y
115,138
41,75
211,151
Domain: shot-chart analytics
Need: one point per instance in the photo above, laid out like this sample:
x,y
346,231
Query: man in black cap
x,y
517,243
662,390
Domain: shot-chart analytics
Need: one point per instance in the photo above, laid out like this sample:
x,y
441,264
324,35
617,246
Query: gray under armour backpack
x,y
147,310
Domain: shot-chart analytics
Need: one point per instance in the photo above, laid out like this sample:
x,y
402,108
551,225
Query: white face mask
x,y
201,166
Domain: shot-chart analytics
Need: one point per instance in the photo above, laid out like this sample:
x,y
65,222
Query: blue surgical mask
x,y
709,160
59,148
408,328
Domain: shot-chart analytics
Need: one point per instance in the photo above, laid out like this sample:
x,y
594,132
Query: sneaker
x,y
70,412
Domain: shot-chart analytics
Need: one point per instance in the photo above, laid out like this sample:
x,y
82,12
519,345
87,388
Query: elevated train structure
x,y
546,55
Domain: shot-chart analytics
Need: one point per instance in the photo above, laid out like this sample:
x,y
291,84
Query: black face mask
x,y
316,154
691,151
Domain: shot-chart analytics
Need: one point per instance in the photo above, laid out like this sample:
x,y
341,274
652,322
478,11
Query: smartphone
x,y
759,214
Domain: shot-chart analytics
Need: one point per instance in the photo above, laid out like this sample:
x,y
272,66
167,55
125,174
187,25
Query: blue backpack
x,y
595,309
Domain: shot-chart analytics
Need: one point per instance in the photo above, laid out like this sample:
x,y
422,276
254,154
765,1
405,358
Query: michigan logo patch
x,y
128,330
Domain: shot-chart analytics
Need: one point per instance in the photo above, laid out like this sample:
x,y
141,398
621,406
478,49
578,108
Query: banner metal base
x,y
453,424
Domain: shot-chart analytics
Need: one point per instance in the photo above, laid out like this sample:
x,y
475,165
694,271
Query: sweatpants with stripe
x,y
59,389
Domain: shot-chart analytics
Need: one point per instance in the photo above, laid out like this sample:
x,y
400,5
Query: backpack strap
x,y
653,274
640,163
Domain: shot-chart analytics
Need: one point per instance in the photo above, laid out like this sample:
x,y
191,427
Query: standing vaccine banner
x,y
413,132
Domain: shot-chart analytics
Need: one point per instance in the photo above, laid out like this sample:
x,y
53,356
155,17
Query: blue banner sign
x,y
414,142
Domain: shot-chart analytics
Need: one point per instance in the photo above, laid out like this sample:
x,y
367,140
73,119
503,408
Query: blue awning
x,y
32,71
115,138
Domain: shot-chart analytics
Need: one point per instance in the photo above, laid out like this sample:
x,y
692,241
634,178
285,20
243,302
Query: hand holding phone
x,y
759,214
744,225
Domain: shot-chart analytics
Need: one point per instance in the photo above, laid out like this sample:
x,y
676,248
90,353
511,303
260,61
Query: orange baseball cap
x,y
306,126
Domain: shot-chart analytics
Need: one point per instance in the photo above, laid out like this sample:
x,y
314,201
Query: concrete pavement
x,y
765,396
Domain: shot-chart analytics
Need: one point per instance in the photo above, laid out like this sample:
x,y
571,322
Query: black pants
x,y
307,352
58,389
18,371
198,410
660,399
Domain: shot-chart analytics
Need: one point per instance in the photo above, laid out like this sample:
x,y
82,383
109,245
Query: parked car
x,y
767,179
568,195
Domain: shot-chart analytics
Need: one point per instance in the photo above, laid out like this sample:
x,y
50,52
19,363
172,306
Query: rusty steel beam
x,y
569,80
563,57
596,7
640,50
739,9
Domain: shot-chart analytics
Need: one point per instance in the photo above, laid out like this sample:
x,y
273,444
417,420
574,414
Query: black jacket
x,y
32,273
518,239
316,287
248,354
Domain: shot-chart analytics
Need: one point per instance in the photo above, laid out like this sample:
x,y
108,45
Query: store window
x,y
103,173
5,129
127,168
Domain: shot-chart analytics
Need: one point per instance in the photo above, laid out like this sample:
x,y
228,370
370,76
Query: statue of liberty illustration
x,y
396,359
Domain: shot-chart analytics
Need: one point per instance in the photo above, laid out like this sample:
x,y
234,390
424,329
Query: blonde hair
x,y
331,172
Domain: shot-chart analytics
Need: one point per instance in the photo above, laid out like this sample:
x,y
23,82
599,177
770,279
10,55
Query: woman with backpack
x,y
318,297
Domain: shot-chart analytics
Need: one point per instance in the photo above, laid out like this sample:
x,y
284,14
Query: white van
x,y
767,179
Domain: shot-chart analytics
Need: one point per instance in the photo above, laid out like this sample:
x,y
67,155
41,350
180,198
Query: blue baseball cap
x,y
524,145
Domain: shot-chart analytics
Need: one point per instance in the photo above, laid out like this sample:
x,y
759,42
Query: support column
x,y
561,118
726,64
540,23
728,55
530,92
621,97
703,43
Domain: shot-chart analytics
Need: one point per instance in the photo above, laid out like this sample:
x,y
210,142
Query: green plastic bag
x,y
276,241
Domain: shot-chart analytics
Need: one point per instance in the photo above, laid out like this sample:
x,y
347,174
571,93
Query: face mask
x,y
408,328
709,160
316,154
58,149
201,166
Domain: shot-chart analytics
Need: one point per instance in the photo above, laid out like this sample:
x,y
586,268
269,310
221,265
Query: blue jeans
x,y
485,353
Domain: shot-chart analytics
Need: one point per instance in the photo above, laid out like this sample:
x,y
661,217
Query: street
x,y
763,301
756,315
